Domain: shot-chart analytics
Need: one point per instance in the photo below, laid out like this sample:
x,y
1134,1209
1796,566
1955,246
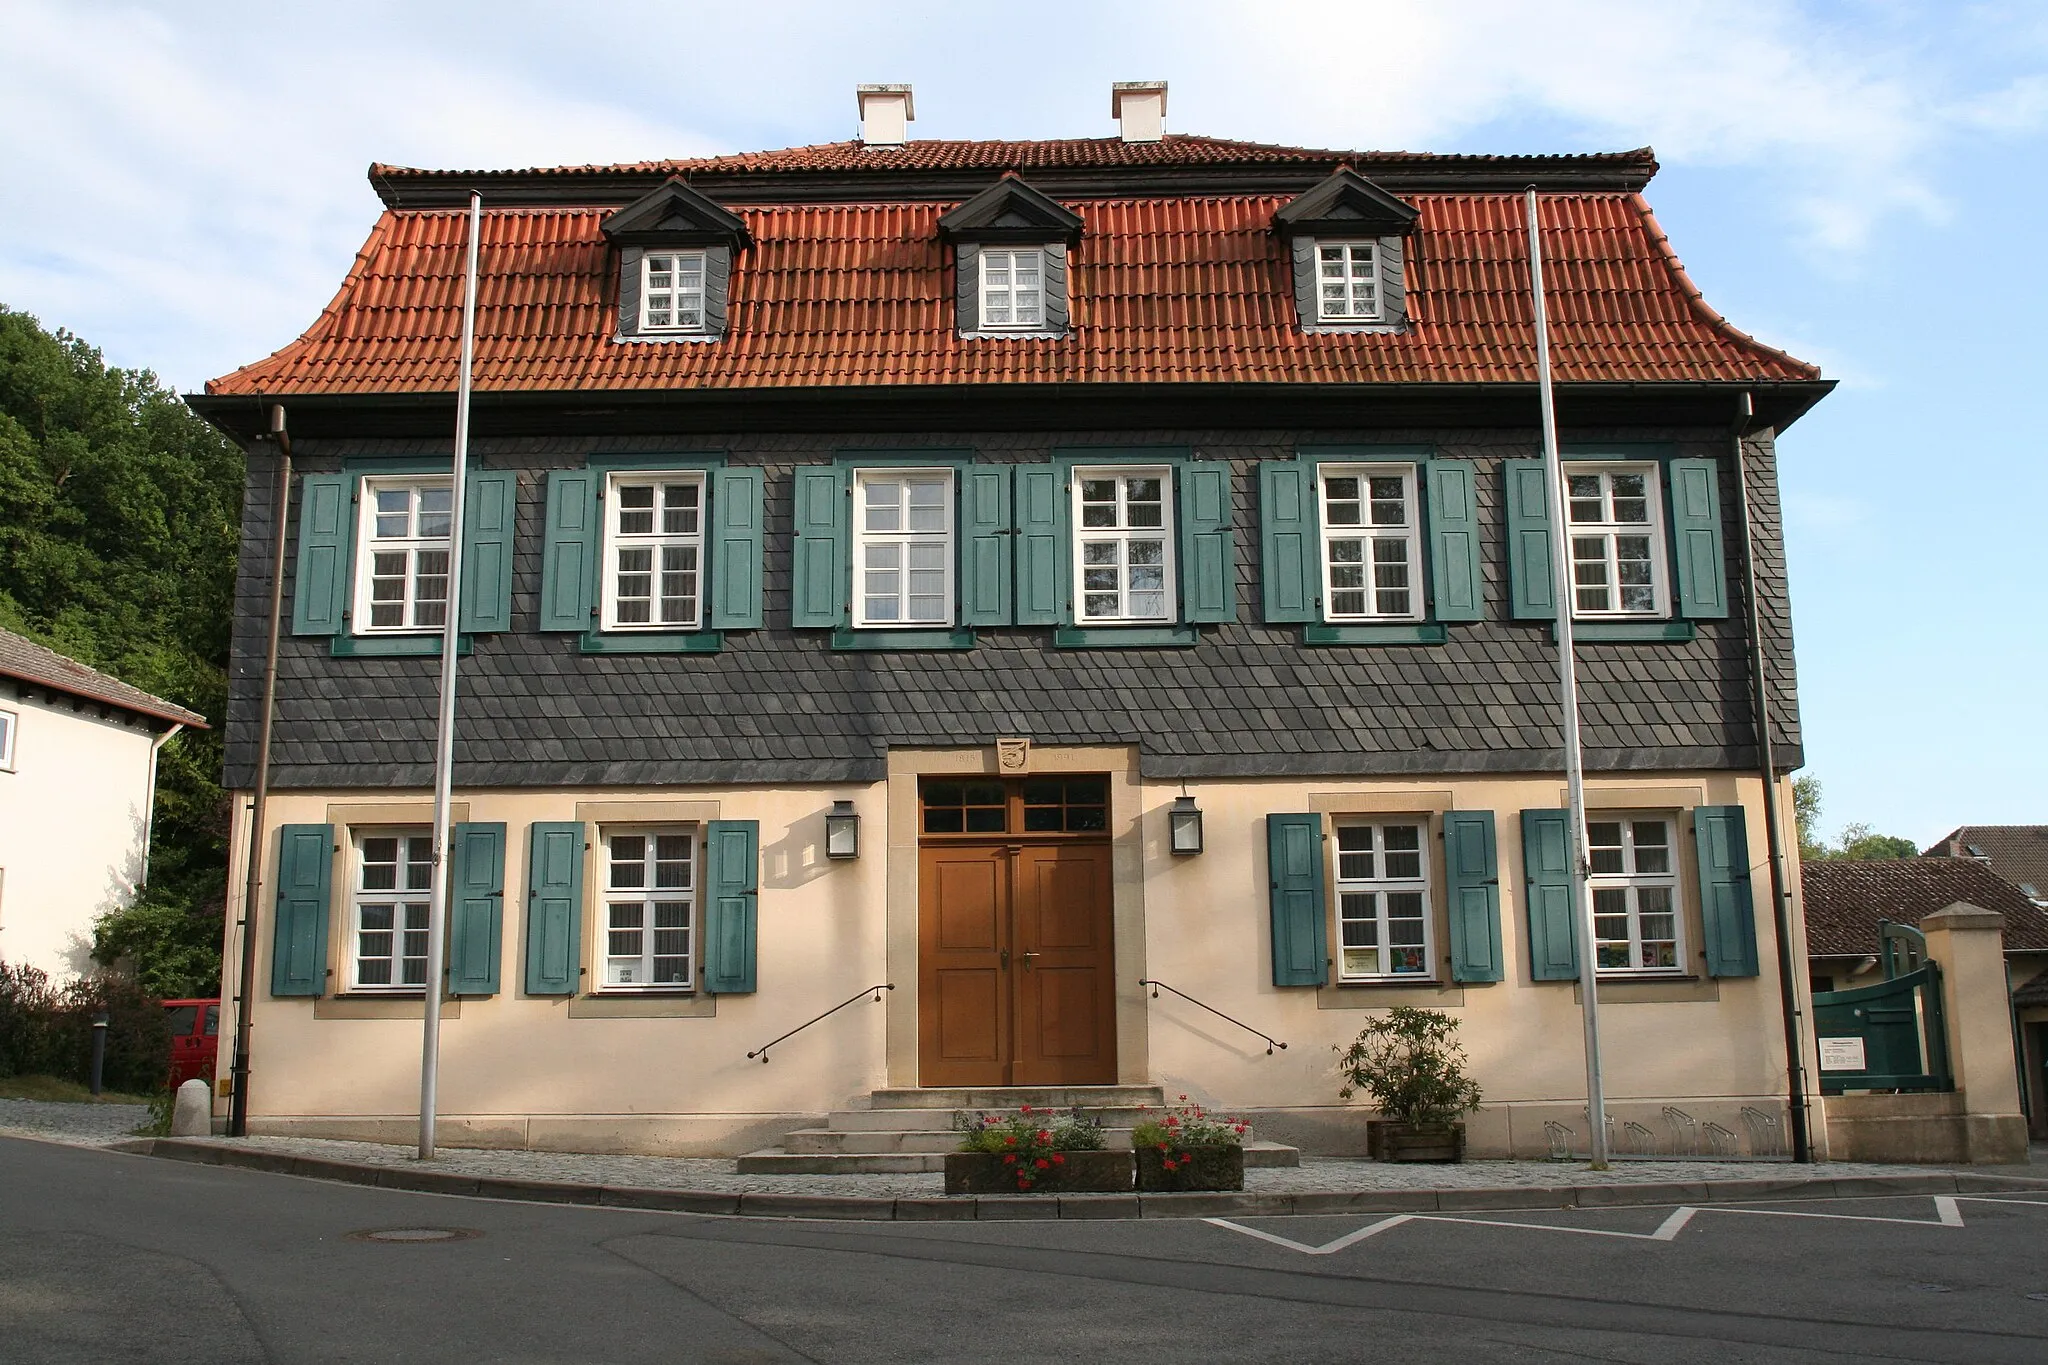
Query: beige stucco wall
x,y
540,1071
72,816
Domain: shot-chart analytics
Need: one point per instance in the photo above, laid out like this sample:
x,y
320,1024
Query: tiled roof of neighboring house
x,y
1845,900
2018,853
25,661
1175,289
2033,991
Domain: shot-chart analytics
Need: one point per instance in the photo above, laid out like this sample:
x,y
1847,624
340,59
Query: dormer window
x,y
675,252
1013,287
1348,281
672,291
1348,240
1011,243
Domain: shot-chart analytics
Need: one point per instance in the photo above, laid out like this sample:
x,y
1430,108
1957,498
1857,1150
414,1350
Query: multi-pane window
x,y
1634,881
1617,541
7,725
1371,552
1382,901
672,291
1013,287
1348,281
1123,546
390,905
903,549
654,552
649,908
404,550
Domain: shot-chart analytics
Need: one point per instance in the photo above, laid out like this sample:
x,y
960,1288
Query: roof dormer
x,y
675,264
1347,238
1010,247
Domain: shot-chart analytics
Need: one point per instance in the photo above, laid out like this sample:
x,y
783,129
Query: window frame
x,y
607,895
363,566
983,288
400,896
1167,532
1632,881
1654,526
859,538
657,540
1411,492
1424,883
1352,279
675,255
10,729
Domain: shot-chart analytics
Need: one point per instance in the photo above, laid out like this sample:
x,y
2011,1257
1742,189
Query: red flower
x,y
1042,1164
1183,1097
1027,1109
1168,1165
1010,1160
1058,1159
1044,1136
1162,1146
1011,1139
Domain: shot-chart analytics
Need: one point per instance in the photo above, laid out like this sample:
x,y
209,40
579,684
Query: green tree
x,y
120,516
1857,843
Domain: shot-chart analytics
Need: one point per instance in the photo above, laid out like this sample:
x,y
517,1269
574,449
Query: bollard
x,y
99,1050
192,1113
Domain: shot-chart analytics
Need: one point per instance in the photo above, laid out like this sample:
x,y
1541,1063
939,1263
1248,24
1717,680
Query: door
x,y
1016,950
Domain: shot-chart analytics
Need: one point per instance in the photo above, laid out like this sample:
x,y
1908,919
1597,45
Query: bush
x,y
28,1015
44,1032
1410,1063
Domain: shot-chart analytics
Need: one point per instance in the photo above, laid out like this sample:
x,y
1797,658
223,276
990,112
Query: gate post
x,y
1969,943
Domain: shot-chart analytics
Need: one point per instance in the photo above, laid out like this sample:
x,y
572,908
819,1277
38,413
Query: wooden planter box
x,y
986,1173
1406,1142
1206,1168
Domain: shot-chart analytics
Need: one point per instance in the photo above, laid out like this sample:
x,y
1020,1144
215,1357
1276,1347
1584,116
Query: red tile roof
x,y
1845,900
1184,289
25,661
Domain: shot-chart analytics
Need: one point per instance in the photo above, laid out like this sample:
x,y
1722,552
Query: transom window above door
x,y
1123,546
655,551
649,908
1032,805
1617,541
404,547
903,560
1372,548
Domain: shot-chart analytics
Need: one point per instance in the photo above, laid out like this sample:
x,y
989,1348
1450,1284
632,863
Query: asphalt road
x,y
106,1257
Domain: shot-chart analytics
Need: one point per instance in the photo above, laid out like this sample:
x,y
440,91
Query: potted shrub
x,y
1033,1152
1189,1149
1410,1064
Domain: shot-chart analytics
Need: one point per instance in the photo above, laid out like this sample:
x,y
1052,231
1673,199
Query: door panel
x,y
1066,968
963,1005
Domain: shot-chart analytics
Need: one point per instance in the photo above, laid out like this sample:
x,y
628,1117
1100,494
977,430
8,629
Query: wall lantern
x,y
1184,827
842,831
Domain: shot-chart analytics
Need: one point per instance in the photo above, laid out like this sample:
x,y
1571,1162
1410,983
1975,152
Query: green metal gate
x,y
1891,1036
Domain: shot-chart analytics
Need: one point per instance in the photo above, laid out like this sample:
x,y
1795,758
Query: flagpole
x,y
444,734
1568,687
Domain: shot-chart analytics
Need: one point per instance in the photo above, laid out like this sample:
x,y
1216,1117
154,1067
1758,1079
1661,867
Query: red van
x,y
195,1039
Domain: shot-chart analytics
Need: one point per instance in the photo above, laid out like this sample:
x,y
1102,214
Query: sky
x,y
183,186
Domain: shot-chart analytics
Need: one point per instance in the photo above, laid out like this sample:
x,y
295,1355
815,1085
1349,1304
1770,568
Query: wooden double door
x,y
1016,963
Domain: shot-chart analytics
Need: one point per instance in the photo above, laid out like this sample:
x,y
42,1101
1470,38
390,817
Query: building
x,y
2018,853
1138,542
77,785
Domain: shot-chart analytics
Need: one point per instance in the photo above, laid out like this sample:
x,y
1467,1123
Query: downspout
x,y
149,809
280,508
1781,894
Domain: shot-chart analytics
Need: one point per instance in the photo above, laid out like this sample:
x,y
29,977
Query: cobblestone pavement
x,y
87,1124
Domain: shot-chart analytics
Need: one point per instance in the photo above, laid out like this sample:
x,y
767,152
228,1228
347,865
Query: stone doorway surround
x,y
1127,884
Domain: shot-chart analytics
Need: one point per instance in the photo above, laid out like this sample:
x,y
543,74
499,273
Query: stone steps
x,y
1125,1116
778,1161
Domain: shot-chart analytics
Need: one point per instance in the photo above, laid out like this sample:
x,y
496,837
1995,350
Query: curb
x,y
1093,1206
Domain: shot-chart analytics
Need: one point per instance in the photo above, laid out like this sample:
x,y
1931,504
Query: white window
x,y
903,547
1123,546
402,557
654,552
672,291
1012,287
388,909
1383,901
649,909
1617,535
1634,881
1372,554
9,722
1347,281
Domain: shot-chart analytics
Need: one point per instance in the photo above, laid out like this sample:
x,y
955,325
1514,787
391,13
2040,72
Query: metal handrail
x,y
1158,986
876,991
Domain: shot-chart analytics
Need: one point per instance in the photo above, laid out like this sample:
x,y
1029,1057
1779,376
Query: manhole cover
x,y
414,1235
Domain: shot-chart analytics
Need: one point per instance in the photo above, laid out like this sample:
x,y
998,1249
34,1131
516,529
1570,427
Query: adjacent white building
x,y
78,756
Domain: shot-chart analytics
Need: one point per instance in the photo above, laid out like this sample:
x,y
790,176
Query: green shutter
x,y
1726,910
298,945
326,527
490,507
1696,539
554,906
476,919
1294,856
1041,508
1547,891
573,539
732,855
985,545
1451,503
819,562
1290,568
735,549
1208,545
1531,589
1472,877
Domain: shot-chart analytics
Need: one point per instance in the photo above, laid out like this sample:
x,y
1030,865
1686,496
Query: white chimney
x,y
1139,108
885,114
